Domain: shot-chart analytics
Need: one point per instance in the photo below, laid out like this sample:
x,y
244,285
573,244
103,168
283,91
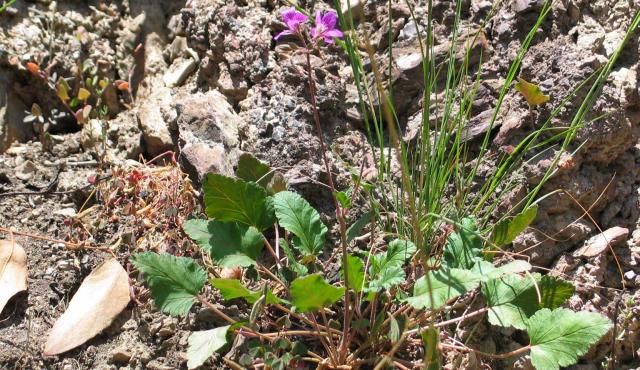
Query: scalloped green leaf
x,y
174,281
312,293
298,217
228,199
559,337
228,243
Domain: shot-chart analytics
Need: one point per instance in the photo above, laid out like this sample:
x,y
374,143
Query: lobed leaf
x,y
236,200
174,281
298,217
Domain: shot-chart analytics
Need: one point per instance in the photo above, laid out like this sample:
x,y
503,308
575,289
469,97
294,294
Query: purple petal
x,y
329,20
293,18
333,33
318,18
283,33
328,40
314,32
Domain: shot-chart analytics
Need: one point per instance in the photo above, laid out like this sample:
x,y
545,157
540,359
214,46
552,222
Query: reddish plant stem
x,y
344,344
501,356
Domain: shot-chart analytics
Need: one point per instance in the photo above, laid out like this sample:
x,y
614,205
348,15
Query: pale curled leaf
x,y
101,297
13,270
202,344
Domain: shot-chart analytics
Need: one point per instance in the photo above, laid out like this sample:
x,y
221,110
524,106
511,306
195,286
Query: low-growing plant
x,y
365,308
388,307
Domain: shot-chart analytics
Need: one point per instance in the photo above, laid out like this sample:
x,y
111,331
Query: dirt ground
x,y
206,80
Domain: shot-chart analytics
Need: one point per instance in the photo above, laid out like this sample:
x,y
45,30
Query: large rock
x,y
207,133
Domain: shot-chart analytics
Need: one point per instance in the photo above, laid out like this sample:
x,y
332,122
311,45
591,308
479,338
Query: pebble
x,y
120,355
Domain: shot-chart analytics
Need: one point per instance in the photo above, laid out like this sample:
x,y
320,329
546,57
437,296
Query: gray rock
x,y
600,243
208,133
155,129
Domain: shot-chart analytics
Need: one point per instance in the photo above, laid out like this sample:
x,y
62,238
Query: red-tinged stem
x,y
501,356
344,344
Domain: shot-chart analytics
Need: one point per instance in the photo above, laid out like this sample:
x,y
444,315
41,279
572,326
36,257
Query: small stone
x,y
120,355
599,243
65,212
26,170
179,71
524,6
630,275
409,31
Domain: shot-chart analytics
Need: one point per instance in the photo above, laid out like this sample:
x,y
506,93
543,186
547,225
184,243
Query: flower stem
x,y
344,344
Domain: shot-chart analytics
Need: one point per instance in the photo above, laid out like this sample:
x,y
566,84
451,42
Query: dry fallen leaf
x,y
100,298
13,270
531,92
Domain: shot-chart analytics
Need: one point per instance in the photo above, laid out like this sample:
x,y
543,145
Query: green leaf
x,y
445,284
386,279
554,291
513,299
505,231
464,247
386,267
344,197
251,169
233,288
355,270
229,244
559,337
356,229
174,281
202,344
312,293
488,271
297,267
228,199
432,356
396,326
297,216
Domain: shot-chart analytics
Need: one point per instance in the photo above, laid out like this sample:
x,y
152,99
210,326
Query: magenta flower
x,y
326,27
293,19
